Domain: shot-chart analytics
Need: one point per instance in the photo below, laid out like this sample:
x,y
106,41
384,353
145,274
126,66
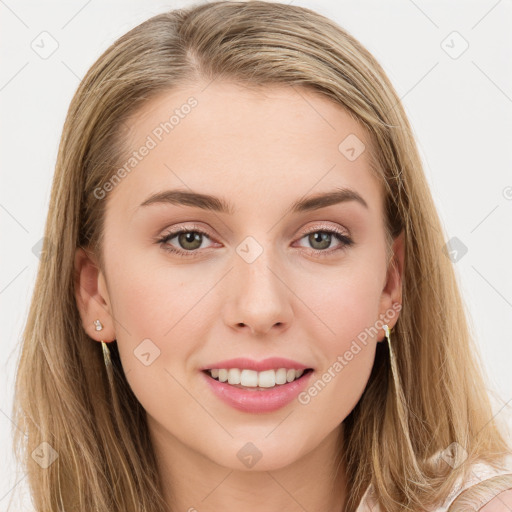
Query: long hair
x,y
97,431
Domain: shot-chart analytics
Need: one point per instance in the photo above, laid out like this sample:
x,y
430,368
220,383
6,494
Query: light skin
x,y
302,298
501,503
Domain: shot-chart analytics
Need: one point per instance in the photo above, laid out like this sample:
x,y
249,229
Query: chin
x,y
258,454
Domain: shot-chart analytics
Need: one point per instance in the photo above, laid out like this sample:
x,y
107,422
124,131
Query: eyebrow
x,y
221,205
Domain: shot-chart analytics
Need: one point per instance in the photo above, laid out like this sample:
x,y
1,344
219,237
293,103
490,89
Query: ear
x,y
391,298
92,297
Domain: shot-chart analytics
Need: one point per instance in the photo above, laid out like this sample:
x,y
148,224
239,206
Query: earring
x,y
106,355
108,365
387,331
106,352
400,400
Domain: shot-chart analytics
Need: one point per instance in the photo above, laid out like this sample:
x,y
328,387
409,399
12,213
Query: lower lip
x,y
257,401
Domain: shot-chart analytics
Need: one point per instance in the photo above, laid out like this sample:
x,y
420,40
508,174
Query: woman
x,y
240,218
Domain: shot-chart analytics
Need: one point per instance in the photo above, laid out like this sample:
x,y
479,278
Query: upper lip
x,y
271,363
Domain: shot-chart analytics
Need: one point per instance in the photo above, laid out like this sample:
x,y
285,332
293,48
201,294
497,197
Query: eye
x,y
321,239
189,240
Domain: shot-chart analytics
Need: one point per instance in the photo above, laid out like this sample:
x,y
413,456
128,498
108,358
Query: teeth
x,y
249,378
234,376
281,376
267,379
252,379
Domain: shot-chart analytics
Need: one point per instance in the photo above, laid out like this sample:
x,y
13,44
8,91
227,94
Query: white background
x,y
460,109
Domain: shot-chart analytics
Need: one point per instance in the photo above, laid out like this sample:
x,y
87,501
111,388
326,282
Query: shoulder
x,y
485,489
500,503
493,493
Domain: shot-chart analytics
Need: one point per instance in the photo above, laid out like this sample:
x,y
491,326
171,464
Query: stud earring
x,y
98,325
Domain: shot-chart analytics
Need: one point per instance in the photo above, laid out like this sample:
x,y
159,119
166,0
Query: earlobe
x,y
92,297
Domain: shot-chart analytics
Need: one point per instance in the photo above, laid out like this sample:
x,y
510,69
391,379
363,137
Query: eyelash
x,y
345,241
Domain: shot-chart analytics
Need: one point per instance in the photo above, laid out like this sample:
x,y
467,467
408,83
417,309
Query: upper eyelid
x,y
184,228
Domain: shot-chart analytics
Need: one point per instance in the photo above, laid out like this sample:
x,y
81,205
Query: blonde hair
x,y
105,459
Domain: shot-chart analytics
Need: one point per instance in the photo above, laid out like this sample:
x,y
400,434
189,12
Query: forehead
x,y
249,144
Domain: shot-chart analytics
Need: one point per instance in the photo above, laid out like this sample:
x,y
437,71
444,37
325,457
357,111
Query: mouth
x,y
252,380
255,392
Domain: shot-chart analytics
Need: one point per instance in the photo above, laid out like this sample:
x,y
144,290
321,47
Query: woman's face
x,y
259,279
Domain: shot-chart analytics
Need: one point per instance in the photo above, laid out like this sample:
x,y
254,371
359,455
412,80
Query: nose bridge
x,y
255,266
261,298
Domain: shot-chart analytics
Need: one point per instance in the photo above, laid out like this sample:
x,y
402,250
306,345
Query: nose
x,y
260,298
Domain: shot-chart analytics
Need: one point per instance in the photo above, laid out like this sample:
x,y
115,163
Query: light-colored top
x,y
479,472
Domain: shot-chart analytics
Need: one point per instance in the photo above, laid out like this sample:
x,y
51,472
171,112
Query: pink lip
x,y
257,400
272,363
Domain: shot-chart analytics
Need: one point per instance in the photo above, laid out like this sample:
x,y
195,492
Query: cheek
x,y
150,299
346,311
162,317
155,329
345,306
